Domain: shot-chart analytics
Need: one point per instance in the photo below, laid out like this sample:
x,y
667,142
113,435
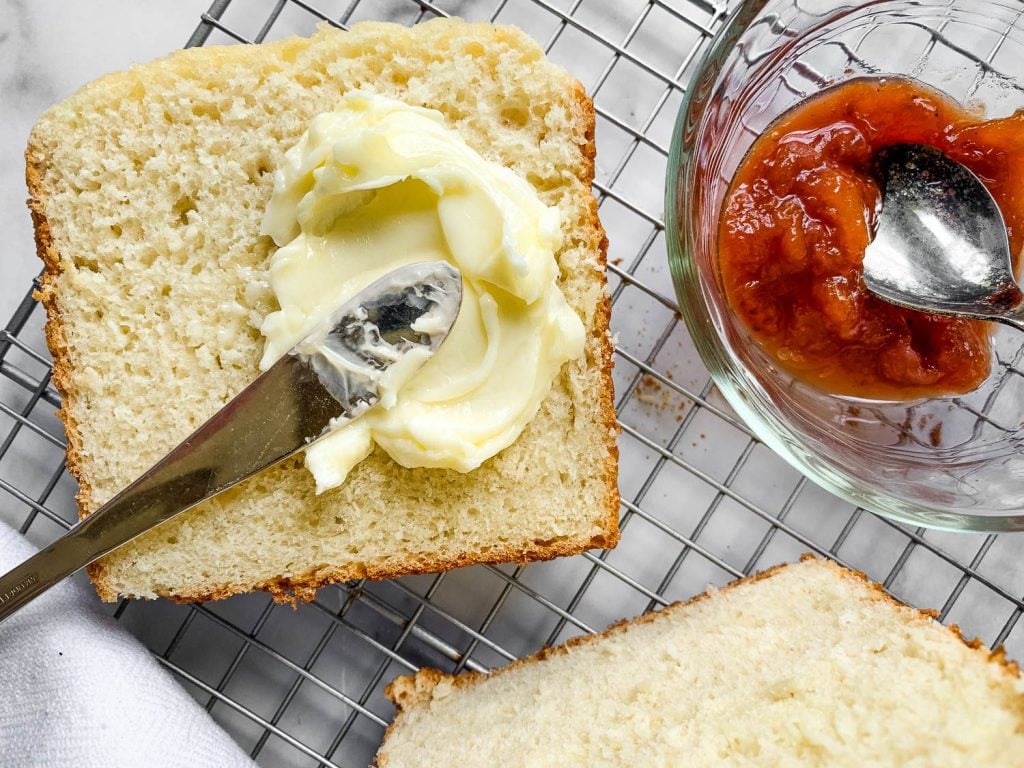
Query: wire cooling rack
x,y
703,501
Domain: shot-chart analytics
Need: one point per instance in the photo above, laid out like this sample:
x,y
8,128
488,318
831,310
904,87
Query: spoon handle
x,y
1014,319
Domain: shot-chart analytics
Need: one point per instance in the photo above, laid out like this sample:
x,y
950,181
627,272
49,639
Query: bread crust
x,y
603,326
54,329
407,692
303,587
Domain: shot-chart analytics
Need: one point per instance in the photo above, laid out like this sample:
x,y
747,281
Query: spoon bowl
x,y
941,243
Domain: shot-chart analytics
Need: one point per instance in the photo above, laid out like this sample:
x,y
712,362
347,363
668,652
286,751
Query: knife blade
x,y
334,375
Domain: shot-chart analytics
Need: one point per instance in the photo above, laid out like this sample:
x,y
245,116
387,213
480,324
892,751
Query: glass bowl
x,y
952,462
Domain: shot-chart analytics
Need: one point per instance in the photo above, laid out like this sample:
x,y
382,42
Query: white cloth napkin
x,y
77,690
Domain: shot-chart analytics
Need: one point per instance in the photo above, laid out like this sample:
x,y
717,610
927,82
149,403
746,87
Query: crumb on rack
x,y
651,391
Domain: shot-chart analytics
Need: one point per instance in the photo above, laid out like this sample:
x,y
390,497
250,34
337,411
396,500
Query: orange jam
x,y
800,212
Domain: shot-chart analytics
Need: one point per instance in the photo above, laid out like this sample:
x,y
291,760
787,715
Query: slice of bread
x,y
803,665
147,191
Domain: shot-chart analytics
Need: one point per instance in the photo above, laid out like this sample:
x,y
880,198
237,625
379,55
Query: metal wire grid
x,y
703,500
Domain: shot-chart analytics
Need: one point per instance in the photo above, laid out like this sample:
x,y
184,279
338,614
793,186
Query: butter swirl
x,y
377,184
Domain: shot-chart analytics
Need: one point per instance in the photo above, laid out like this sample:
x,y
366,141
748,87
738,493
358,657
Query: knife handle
x,y
267,422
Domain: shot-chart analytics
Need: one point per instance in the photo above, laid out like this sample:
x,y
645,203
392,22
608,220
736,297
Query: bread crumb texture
x,y
805,665
148,188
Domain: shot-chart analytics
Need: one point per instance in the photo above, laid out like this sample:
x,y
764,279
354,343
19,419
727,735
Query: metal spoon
x,y
328,379
941,244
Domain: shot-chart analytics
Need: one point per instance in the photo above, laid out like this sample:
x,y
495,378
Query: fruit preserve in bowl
x,y
771,200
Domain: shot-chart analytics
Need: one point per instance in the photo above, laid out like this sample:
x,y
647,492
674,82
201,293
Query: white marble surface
x,y
48,49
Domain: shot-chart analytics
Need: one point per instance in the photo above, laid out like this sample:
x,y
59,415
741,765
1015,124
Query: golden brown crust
x,y
602,324
304,586
47,294
57,344
409,691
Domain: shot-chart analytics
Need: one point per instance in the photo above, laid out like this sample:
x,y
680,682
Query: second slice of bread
x,y
803,665
148,188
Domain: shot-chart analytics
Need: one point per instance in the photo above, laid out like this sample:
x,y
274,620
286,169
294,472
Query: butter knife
x,y
331,377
